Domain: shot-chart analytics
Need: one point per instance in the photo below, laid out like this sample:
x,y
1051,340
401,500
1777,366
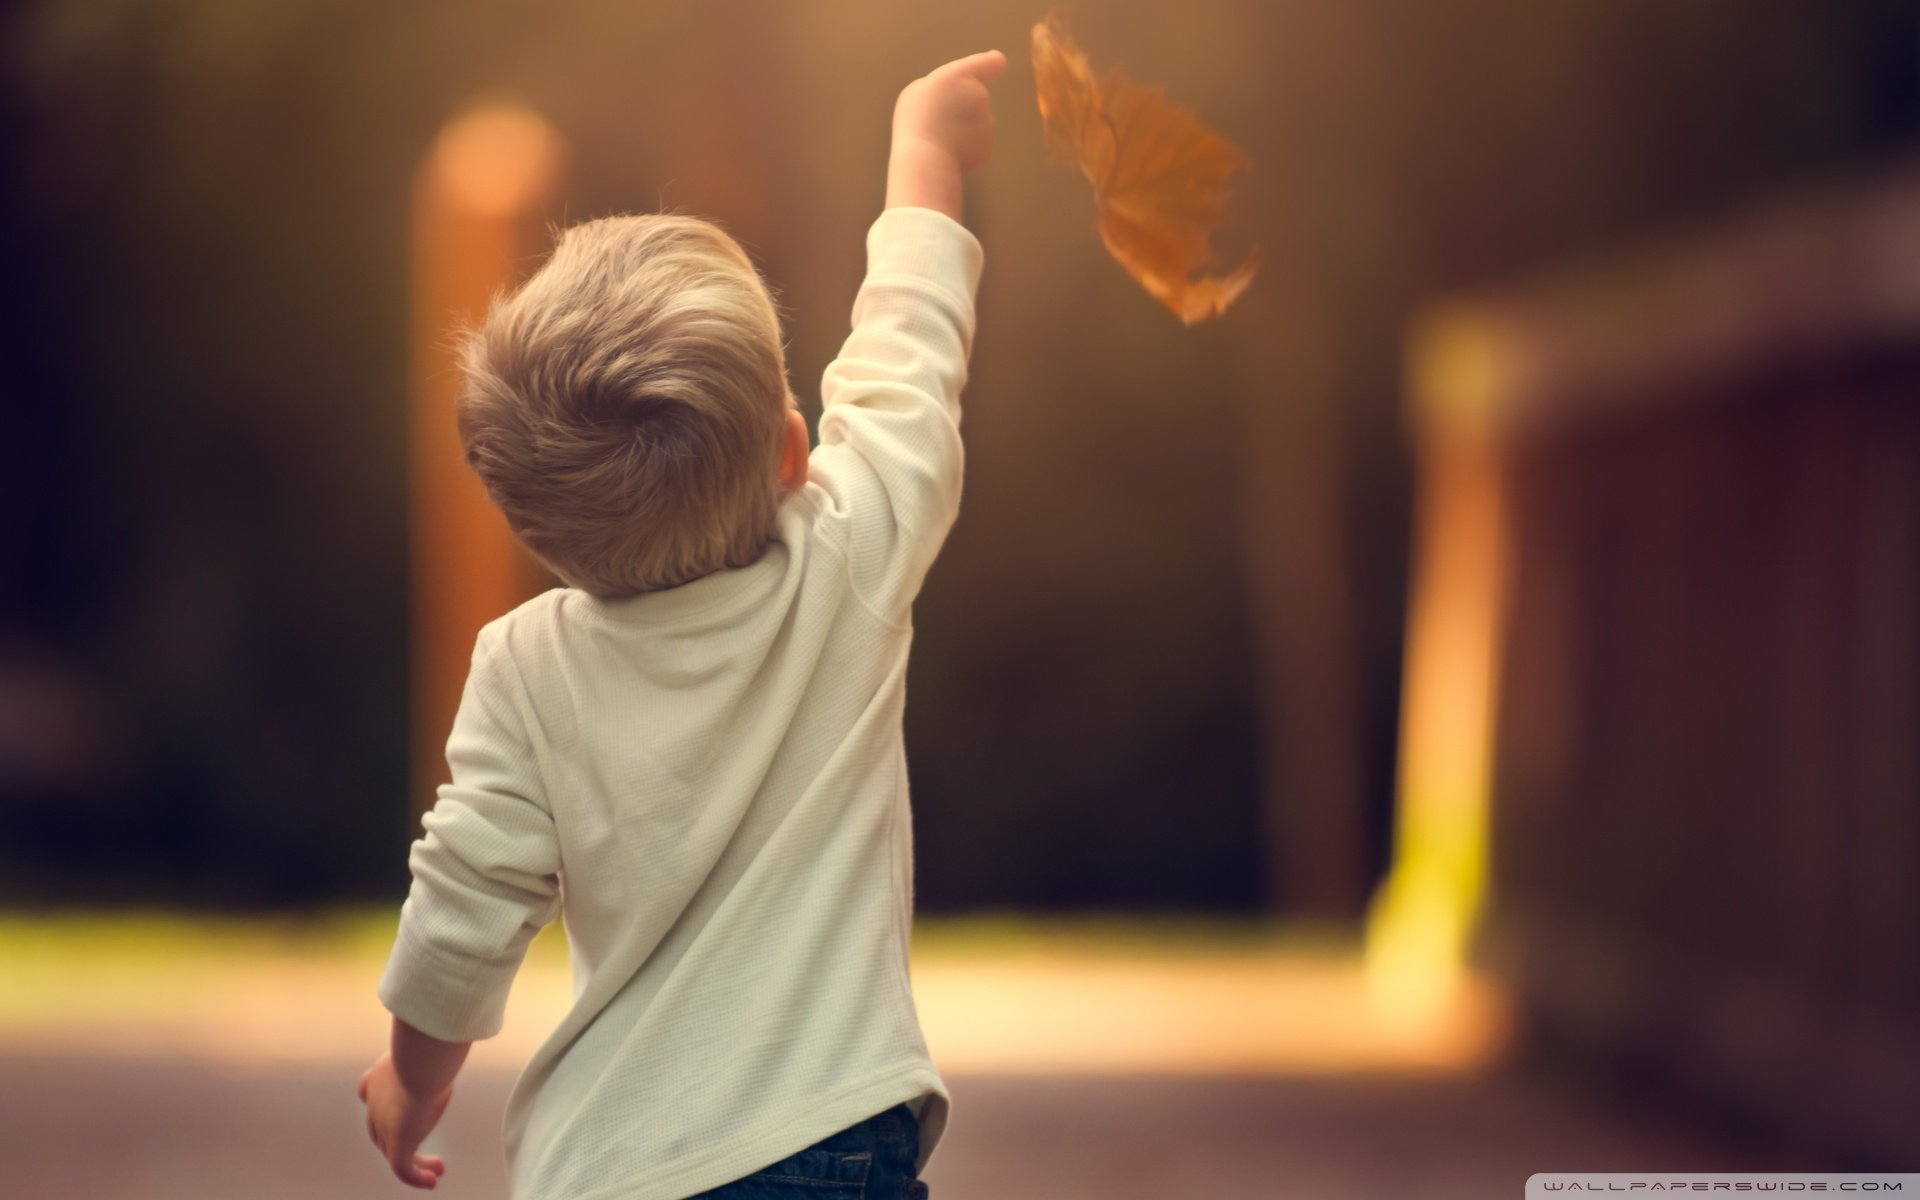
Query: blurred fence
x,y
1697,566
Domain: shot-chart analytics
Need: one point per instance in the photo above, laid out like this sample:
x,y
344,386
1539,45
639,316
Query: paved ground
x,y
177,1128
160,1058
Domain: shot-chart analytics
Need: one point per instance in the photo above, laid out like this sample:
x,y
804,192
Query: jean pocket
x,y
808,1175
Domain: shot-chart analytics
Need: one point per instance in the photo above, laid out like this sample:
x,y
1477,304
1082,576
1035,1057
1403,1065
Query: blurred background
x,y
1452,717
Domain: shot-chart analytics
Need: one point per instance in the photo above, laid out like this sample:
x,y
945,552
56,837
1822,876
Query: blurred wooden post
x,y
1425,913
478,197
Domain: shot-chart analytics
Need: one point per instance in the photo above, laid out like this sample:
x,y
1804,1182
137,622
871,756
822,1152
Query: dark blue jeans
x,y
871,1161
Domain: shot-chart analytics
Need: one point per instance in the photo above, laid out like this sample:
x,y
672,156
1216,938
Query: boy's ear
x,y
793,453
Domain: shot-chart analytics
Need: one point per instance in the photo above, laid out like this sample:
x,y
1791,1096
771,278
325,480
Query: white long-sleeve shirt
x,y
709,785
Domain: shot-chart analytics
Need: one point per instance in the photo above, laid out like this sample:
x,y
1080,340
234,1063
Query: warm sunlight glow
x,y
1038,999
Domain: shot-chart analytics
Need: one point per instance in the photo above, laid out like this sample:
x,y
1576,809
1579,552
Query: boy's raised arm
x,y
890,456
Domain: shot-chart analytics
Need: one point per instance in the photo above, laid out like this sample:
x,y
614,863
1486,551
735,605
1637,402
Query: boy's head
x,y
628,410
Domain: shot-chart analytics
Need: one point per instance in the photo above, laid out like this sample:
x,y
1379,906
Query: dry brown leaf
x,y
1159,175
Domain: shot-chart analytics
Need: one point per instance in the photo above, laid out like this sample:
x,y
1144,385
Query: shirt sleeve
x,y
485,873
890,456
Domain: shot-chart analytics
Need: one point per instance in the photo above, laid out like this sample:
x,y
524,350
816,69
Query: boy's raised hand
x,y
942,128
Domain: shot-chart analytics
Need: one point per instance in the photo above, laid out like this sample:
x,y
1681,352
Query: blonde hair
x,y
626,407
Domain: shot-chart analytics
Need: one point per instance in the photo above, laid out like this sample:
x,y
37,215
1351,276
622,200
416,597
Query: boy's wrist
x,y
424,1066
419,1091
924,174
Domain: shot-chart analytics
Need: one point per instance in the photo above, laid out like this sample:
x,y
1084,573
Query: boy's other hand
x,y
942,128
399,1121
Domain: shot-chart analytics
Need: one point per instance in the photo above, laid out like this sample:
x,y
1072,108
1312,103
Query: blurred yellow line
x,y
1027,1002
1183,1016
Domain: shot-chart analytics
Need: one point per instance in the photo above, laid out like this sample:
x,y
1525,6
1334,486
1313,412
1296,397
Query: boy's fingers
x,y
409,1171
985,66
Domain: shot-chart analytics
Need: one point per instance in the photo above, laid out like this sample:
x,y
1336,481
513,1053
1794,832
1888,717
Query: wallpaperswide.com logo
x,y
1566,1184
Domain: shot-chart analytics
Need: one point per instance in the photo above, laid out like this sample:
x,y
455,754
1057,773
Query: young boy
x,y
693,754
